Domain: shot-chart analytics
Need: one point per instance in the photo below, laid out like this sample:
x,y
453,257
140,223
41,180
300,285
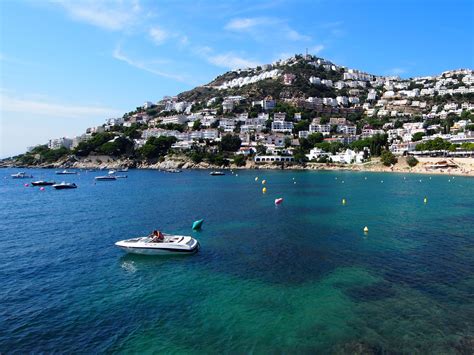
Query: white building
x,y
273,158
227,124
316,153
147,105
228,105
62,142
282,126
315,80
347,129
279,116
348,157
177,119
325,129
342,100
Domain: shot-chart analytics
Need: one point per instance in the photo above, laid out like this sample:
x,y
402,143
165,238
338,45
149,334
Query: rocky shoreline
x,y
460,166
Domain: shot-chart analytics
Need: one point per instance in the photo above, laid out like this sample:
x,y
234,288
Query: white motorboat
x,y
123,170
170,245
66,172
216,173
21,175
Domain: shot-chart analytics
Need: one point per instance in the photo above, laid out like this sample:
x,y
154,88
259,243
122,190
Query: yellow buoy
x,y
256,179
425,200
264,182
264,190
343,201
366,229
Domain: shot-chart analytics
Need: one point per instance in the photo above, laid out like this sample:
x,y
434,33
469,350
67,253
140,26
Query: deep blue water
x,y
300,277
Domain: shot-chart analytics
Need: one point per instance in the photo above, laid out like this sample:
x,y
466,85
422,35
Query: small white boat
x,y
66,172
111,172
216,173
123,170
65,185
170,245
106,178
21,175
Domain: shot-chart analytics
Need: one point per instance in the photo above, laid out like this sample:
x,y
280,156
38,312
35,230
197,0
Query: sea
x,y
299,277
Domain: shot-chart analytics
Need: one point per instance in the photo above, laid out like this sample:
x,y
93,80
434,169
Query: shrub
x,y
412,161
239,160
387,158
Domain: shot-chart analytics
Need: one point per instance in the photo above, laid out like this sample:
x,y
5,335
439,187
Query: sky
x,y
66,65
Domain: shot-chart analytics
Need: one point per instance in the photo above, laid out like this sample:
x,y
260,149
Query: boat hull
x,y
64,187
158,251
42,183
105,178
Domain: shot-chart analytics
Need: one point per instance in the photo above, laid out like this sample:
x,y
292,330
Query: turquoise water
x,y
300,277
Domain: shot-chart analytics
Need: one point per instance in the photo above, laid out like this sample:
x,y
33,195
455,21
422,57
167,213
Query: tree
x,y
299,156
230,143
239,159
387,158
132,131
417,136
434,144
305,145
315,138
197,125
156,147
398,124
86,147
412,161
302,125
119,146
261,149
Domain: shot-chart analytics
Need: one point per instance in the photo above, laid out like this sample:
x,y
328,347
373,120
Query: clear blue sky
x,y
68,65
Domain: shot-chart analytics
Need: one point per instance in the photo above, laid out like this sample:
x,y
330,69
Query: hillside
x,y
286,108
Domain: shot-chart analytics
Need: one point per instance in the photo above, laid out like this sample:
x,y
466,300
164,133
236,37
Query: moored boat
x,y
21,175
106,178
66,172
216,173
122,170
43,183
65,185
170,244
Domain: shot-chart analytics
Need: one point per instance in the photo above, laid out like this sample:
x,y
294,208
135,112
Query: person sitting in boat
x,y
157,236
